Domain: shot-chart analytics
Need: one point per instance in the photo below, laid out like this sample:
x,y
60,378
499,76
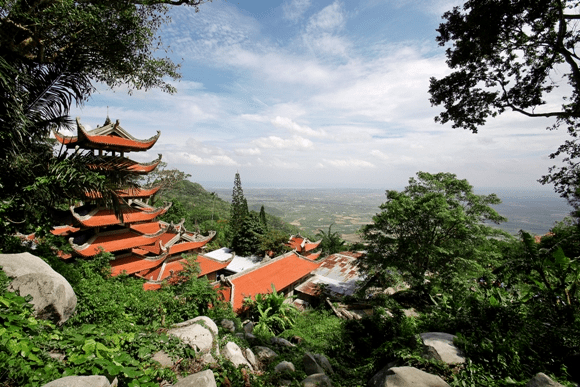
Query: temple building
x,y
143,245
304,247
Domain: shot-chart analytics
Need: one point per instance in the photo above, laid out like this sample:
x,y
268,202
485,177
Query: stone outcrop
x,y
200,379
52,296
405,377
264,354
285,366
542,380
80,381
443,347
233,353
201,333
317,380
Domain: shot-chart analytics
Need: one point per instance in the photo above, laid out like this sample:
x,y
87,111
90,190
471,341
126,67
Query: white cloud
x,y
380,155
287,123
330,18
248,152
189,158
255,117
349,163
296,142
294,9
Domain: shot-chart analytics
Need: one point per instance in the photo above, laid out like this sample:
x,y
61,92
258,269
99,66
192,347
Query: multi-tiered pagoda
x,y
141,243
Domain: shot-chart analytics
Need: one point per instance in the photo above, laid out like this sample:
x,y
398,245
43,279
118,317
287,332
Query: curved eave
x,y
116,143
134,264
114,242
106,217
129,193
108,163
65,140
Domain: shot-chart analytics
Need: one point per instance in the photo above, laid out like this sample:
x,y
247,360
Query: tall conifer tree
x,y
239,209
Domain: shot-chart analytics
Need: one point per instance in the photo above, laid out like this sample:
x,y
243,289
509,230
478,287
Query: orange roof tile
x,y
186,246
127,193
147,228
111,137
133,264
302,245
114,242
208,265
313,256
111,163
64,230
280,272
101,217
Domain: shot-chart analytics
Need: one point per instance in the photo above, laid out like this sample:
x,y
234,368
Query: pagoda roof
x,y
162,272
113,163
128,193
64,230
302,245
108,137
117,240
281,272
313,256
134,263
100,217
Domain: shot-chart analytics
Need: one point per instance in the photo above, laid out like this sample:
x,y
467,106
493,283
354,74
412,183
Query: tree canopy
x,y
510,55
434,225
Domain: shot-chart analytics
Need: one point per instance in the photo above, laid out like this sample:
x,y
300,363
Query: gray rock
x,y
285,366
323,362
233,353
251,357
200,379
311,366
228,325
542,380
282,342
80,381
249,327
405,377
442,343
200,333
52,296
163,359
264,353
317,380
249,336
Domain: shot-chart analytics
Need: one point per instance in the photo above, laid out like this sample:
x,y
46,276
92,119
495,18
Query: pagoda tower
x,y
140,242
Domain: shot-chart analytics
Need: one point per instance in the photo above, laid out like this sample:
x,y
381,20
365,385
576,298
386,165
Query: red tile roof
x,y
133,264
101,217
147,228
110,137
111,242
64,230
302,245
280,272
313,256
127,193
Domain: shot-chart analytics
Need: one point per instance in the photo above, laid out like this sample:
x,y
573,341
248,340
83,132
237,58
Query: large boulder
x,y
52,296
405,377
311,366
542,380
443,347
265,354
201,333
200,379
317,380
233,353
80,381
285,366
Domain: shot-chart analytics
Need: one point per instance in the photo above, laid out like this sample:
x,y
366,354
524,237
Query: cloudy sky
x,y
309,93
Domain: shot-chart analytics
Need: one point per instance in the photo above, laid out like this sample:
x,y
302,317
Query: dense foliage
x,y
434,227
509,55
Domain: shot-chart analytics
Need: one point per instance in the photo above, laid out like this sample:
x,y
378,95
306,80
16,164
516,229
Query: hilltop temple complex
x,y
143,245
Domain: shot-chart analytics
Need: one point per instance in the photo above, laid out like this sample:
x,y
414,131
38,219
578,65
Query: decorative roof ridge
x,y
197,237
88,134
84,246
146,258
110,128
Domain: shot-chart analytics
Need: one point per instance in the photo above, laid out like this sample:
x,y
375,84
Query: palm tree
x,y
331,241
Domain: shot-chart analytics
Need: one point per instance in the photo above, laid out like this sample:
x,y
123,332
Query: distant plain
x,y
348,210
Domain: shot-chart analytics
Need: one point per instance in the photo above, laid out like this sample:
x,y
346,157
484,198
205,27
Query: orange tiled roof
x,y
302,245
110,137
313,256
186,246
147,228
127,193
280,272
114,241
101,217
110,163
133,264
64,230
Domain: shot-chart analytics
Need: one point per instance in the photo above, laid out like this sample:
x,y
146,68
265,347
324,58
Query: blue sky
x,y
307,93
